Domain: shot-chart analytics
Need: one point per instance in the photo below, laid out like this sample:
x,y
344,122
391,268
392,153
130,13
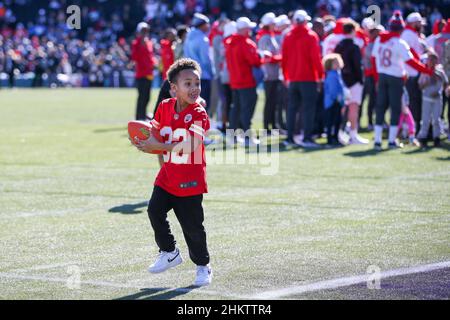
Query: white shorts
x,y
355,93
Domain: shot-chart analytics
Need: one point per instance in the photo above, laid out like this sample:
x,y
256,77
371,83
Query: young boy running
x,y
182,123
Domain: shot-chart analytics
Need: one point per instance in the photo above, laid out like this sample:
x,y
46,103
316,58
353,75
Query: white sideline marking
x,y
44,267
346,281
273,294
14,276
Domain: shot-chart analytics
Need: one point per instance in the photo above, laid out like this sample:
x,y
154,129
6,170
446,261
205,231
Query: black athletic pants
x,y
371,92
333,122
189,212
241,113
302,95
271,89
164,93
415,100
390,93
144,86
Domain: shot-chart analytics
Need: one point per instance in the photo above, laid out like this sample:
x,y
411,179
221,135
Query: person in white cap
x,y
229,30
142,55
373,30
242,56
196,47
412,35
390,56
282,27
266,42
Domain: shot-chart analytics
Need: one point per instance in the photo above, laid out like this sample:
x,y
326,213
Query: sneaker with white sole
x,y
395,145
203,276
358,140
251,142
343,137
309,144
377,146
298,138
165,261
290,144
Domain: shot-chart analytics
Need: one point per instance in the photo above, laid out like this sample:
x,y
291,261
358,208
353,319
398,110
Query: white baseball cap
x,y
301,16
282,20
268,18
199,19
368,23
244,22
414,17
329,26
229,29
379,27
142,25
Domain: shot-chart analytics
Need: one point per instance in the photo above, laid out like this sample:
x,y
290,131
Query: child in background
x,y
406,121
432,88
333,96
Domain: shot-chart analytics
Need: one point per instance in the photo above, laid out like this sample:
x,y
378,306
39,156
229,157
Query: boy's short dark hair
x,y
349,27
180,65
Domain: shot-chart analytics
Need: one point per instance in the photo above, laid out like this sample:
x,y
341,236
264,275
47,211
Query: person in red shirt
x,y
241,56
182,123
167,53
303,71
142,55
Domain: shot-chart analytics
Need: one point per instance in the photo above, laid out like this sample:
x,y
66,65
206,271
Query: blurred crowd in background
x,y
37,48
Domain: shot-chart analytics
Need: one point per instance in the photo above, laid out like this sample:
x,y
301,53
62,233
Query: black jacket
x,y
351,54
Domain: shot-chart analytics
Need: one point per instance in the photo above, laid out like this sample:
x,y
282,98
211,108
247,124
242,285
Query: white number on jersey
x,y
174,136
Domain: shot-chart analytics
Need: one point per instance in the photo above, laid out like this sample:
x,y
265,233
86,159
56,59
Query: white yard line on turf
x,y
346,281
272,294
49,213
44,267
14,276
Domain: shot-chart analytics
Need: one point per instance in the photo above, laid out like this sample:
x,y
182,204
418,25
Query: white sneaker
x,y
204,276
240,140
165,261
207,141
290,144
251,142
358,140
343,137
298,139
309,145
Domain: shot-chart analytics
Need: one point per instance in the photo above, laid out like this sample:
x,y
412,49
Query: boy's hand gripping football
x,y
149,145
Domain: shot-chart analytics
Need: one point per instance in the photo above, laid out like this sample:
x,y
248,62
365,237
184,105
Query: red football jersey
x,y
182,174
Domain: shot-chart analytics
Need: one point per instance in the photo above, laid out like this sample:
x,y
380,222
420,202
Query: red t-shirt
x,y
182,174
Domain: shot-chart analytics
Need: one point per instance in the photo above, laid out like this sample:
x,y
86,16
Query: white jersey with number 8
x,y
390,56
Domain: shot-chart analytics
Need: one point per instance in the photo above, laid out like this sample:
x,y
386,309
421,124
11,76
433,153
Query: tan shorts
x,y
355,94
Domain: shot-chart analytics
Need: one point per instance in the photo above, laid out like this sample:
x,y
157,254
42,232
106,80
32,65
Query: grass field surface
x,y
73,221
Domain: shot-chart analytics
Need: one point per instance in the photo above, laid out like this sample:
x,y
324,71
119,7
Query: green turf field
x,y
73,198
